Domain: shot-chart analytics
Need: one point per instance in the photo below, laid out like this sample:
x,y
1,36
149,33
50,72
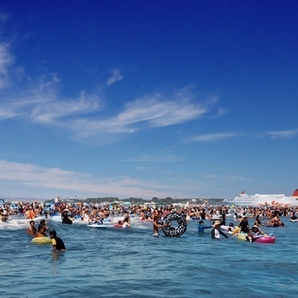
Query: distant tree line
x,y
132,200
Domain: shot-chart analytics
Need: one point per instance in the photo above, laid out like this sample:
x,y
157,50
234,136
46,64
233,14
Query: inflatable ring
x,y
41,240
171,231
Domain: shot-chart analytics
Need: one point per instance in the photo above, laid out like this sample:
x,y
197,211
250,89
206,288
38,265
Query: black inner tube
x,y
171,231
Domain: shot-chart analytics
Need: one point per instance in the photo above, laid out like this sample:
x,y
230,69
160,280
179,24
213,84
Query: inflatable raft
x,y
262,239
266,239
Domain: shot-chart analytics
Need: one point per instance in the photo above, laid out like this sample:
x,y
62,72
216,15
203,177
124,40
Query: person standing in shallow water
x,y
244,226
126,221
58,244
216,231
203,214
223,219
65,218
156,223
201,227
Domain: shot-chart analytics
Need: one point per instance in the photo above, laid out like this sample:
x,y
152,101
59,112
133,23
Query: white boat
x,y
277,200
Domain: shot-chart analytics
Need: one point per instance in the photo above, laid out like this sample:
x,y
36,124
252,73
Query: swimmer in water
x,y
32,229
156,224
216,231
58,244
201,227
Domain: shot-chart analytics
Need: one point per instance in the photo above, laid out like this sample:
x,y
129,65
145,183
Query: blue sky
x,y
148,98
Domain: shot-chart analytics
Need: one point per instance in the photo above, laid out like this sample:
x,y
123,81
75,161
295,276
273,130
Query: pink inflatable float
x,y
266,239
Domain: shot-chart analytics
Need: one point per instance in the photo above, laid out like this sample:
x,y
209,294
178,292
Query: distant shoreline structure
x,y
241,199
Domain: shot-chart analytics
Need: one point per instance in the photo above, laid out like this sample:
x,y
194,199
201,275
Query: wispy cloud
x,y
56,110
210,176
211,137
283,134
220,113
59,180
160,157
149,111
116,76
159,112
6,59
39,101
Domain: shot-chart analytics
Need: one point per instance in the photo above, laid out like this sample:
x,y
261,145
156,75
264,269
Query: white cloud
x,y
6,112
160,157
39,101
211,137
221,112
153,111
210,176
6,59
57,180
116,76
55,110
159,113
285,134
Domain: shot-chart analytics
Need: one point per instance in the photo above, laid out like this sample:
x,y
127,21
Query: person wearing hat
x,y
65,218
201,227
216,231
57,242
254,233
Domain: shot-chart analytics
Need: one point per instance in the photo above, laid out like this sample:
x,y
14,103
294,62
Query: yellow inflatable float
x,y
41,240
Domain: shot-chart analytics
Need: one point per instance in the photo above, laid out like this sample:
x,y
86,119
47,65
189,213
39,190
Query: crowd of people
x,y
90,211
43,231
155,214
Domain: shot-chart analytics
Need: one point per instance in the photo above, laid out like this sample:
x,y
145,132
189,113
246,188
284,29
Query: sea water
x,y
130,262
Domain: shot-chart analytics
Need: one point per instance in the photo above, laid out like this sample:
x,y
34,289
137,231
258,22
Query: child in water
x,y
201,227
